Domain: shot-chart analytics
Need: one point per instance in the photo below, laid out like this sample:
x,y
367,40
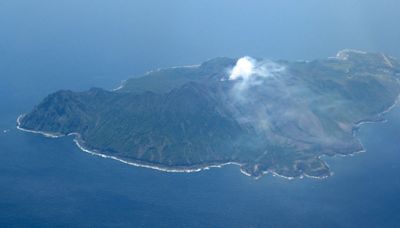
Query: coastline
x,y
122,84
80,144
46,134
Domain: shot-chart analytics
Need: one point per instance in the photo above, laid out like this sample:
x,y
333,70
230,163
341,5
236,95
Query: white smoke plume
x,y
254,83
275,103
250,72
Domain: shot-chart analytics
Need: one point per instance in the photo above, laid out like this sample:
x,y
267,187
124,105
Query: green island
x,y
276,117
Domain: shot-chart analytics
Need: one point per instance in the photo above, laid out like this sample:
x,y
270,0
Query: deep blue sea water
x,y
51,45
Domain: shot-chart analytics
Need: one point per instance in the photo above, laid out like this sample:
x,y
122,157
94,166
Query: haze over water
x,y
51,45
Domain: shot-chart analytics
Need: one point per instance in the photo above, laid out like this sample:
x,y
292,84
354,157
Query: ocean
x,y
49,45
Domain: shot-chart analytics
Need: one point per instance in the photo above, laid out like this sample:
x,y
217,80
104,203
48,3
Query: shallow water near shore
x,y
77,44
51,182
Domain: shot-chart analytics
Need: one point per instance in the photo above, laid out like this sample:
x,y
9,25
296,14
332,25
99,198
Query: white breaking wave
x,y
164,169
47,134
122,84
136,164
345,53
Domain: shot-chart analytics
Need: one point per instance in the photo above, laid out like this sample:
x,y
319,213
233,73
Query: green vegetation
x,y
188,117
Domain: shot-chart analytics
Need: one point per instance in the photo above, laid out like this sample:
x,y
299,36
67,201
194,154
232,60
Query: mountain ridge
x,y
185,117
